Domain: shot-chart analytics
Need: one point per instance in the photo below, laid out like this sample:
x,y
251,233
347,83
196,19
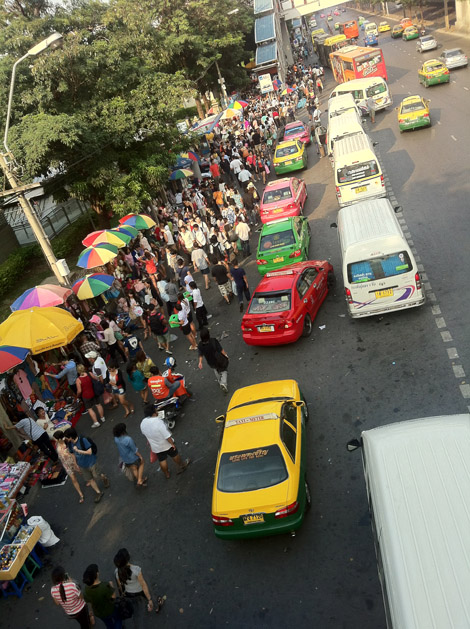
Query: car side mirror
x,y
333,225
220,419
352,445
299,404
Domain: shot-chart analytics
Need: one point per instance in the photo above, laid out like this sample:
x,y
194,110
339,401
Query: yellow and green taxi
x,y
397,31
290,155
360,20
413,113
433,72
260,486
410,32
384,27
337,26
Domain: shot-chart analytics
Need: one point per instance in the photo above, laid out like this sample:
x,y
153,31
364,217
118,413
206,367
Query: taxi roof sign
x,y
250,419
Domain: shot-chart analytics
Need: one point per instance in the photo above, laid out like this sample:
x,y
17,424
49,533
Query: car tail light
x,y
286,325
425,115
296,253
289,510
246,328
338,192
291,206
218,521
382,181
263,211
401,120
349,298
261,261
418,281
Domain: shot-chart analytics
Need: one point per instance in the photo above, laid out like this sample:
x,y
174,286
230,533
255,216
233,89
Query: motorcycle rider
x,y
161,388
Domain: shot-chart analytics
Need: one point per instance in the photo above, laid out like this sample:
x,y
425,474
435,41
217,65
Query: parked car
x,y
426,43
454,58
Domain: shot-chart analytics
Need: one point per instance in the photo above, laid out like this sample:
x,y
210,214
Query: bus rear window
x,y
349,174
374,90
379,268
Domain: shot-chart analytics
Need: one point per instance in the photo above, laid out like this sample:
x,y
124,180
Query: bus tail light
x,y
349,298
382,181
418,281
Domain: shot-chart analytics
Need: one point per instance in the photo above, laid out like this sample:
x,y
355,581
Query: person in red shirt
x,y
215,172
160,387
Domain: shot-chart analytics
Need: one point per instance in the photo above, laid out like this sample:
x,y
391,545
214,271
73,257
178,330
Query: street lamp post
x,y
7,163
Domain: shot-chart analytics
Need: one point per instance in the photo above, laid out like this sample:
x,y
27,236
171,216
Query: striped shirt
x,y
30,428
73,603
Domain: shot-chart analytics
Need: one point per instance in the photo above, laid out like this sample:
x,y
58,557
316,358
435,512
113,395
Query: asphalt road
x,y
354,374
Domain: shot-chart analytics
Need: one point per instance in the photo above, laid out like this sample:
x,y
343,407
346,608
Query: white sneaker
x,y
96,425
102,419
224,388
209,316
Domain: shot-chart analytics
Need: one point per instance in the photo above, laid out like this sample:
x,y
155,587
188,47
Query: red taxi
x,y
283,198
297,130
285,303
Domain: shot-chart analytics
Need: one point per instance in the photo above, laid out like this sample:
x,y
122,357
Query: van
x,y
371,29
418,488
358,174
362,89
380,273
341,105
342,127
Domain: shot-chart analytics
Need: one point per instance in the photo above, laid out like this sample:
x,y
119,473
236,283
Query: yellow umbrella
x,y
231,113
39,329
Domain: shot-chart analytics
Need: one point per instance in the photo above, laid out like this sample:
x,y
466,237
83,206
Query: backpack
x,y
94,447
156,325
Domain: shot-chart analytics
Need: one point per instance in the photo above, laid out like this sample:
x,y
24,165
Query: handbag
x,y
153,456
124,607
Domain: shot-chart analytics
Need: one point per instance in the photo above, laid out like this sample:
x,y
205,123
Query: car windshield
x,y
283,151
428,38
374,90
454,53
249,470
279,194
349,174
406,108
379,268
293,131
279,240
270,303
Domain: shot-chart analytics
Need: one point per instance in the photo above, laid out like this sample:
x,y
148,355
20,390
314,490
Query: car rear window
x,y
293,131
432,67
269,303
414,106
348,174
283,151
280,194
379,268
277,241
454,53
249,470
373,90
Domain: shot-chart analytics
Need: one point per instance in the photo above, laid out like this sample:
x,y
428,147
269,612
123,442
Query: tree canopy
x,y
97,117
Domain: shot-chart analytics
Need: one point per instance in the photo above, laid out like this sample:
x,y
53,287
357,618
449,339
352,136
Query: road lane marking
x,y
452,353
454,138
446,336
466,89
465,390
459,371
440,322
436,310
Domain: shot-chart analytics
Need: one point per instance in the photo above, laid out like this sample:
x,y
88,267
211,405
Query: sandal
x,y
160,602
143,483
82,499
186,463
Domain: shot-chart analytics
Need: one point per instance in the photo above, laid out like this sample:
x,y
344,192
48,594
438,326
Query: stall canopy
x,y
260,6
264,29
266,53
206,125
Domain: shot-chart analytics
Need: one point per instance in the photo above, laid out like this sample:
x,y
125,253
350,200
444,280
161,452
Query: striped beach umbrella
x,y
97,256
92,285
139,221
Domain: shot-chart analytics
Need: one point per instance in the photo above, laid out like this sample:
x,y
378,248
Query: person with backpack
x,y
84,449
215,356
159,328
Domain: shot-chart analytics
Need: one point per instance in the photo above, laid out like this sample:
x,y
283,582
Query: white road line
x,y
446,336
440,322
466,89
465,390
436,310
452,353
454,138
458,371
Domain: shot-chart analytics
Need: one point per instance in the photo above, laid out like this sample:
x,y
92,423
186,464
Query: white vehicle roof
x,y
345,148
419,481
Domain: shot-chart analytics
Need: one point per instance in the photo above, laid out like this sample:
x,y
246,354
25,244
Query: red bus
x,y
357,62
350,29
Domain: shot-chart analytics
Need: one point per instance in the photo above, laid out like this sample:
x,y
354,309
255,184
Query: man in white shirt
x,y
201,263
244,177
28,428
188,238
179,198
170,241
243,232
161,442
236,165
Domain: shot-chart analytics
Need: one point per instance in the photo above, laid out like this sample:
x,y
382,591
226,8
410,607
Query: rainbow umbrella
x,y
231,113
111,236
92,285
97,256
139,221
181,173
191,155
238,104
44,295
287,90
127,229
11,356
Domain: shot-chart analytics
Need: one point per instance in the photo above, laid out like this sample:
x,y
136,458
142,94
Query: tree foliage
x,y
97,117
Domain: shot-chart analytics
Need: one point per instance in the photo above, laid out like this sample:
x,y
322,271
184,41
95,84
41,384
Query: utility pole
x,y
221,82
31,216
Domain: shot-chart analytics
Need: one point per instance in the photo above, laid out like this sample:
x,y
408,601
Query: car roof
x,y
296,123
284,279
432,62
458,51
279,183
273,227
286,143
411,99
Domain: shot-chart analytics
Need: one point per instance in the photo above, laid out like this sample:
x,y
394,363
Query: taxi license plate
x,y
361,189
384,293
253,518
289,161
278,259
266,328
277,210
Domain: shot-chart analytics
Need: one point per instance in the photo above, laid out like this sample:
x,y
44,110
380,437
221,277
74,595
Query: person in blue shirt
x,y
86,461
69,369
129,454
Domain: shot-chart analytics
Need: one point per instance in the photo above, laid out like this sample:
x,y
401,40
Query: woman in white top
x,y
132,585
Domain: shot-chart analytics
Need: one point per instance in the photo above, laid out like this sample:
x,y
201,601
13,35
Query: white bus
x,y
417,477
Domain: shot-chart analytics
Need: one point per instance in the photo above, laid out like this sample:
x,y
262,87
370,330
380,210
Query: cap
x,y
92,354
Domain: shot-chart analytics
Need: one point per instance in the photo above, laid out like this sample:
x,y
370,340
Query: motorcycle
x,y
171,407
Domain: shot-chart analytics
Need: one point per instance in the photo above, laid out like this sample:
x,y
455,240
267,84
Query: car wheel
x,y
308,496
308,326
331,279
